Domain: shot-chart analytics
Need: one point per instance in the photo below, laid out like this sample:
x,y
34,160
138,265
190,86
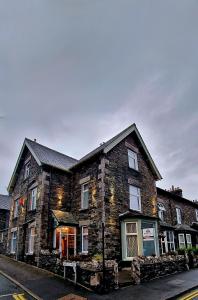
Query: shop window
x,y
131,239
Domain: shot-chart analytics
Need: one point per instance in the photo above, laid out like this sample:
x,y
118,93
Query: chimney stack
x,y
177,191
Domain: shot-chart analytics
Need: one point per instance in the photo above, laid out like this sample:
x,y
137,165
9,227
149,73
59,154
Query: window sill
x,y
83,209
83,253
29,254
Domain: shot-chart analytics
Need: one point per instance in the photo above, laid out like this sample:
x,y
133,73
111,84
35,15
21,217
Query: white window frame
x,y
132,195
179,215
1,237
33,199
132,159
181,244
83,191
196,213
13,234
161,211
31,240
16,208
27,170
188,240
131,234
83,235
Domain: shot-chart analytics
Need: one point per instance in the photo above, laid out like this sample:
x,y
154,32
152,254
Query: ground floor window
x,y
131,239
167,242
149,236
65,240
31,240
84,239
188,240
181,239
1,237
13,241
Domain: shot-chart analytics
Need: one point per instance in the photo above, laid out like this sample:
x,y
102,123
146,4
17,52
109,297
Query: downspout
x,y
49,199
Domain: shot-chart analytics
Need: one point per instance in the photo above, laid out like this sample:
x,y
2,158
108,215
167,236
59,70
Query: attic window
x,y
27,170
132,158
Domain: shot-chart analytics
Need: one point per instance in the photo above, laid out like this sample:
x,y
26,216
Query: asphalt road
x,y
192,295
10,291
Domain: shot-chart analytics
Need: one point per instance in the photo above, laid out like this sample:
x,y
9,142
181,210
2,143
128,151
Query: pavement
x,y
48,286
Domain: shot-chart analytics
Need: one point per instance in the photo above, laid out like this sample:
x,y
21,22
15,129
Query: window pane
x,y
85,243
85,199
134,202
148,248
132,247
131,228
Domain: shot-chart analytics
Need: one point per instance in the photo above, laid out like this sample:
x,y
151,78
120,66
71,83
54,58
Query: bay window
x,y
181,239
188,240
131,239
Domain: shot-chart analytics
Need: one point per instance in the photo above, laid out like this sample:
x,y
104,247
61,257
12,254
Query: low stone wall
x,y
50,261
90,274
147,268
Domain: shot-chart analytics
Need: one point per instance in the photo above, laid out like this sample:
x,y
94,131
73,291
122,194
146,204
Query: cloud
x,y
74,73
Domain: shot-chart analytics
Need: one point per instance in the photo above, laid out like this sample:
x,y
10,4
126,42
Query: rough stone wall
x,y
3,242
118,178
170,203
57,196
4,218
93,215
22,190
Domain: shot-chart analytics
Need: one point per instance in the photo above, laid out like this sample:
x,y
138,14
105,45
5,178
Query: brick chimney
x,y
176,190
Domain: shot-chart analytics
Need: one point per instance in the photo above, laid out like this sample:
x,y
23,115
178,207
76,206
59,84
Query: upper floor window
x,y
1,237
196,212
27,170
16,208
132,157
85,196
161,211
33,199
179,217
84,239
135,198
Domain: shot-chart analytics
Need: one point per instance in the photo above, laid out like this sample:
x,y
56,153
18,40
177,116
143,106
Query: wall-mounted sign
x,y
148,233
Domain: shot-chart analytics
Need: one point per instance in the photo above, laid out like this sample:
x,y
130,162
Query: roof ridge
x,y
29,140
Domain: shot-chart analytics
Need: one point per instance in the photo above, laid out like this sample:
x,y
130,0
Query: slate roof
x,y
51,157
5,202
64,217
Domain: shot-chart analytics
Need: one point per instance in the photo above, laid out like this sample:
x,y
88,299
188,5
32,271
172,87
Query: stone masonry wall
x,y
118,178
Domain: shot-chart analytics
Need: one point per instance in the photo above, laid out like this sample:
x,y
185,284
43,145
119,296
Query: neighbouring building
x,y
60,203
5,201
178,220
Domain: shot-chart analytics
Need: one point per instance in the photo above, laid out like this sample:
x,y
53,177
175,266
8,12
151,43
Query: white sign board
x,y
148,233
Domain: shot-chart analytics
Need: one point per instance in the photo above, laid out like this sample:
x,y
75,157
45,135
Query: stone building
x,y
4,221
178,220
61,204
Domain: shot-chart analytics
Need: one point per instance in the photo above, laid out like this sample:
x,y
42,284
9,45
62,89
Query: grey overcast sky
x,y
74,73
